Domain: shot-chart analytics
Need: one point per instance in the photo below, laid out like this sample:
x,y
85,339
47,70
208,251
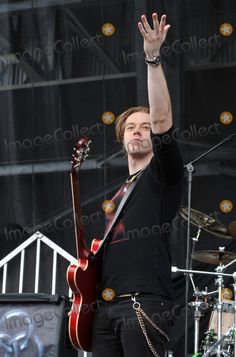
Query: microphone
x,y
232,228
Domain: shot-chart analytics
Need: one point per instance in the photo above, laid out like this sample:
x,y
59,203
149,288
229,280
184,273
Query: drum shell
x,y
227,318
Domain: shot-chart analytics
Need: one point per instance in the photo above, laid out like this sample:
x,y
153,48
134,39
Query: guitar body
x,y
83,280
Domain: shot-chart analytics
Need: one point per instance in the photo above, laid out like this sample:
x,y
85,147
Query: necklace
x,y
129,180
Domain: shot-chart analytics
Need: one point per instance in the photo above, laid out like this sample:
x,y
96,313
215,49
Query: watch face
x,y
155,62
158,60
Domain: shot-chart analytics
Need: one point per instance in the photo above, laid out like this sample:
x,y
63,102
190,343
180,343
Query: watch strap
x,y
154,62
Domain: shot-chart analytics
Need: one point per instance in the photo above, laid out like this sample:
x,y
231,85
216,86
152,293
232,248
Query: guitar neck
x,y
81,248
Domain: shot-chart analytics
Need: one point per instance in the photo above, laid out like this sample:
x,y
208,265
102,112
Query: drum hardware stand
x,y
195,240
190,169
198,307
196,321
185,271
218,342
219,282
220,269
234,277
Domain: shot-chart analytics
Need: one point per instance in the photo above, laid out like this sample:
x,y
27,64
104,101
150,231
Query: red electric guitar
x,y
81,278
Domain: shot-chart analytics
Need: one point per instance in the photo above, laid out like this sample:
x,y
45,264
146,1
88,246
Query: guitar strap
x,y
117,214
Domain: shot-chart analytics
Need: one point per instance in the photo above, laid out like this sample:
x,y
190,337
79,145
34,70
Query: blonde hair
x,y
121,119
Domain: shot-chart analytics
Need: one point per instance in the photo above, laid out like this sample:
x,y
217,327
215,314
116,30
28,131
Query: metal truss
x,y
216,163
83,33
69,81
34,72
26,66
29,4
115,160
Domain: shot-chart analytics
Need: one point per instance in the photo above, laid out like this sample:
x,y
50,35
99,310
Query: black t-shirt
x,y
137,256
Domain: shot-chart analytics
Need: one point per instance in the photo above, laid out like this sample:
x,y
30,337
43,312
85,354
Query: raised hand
x,y
153,38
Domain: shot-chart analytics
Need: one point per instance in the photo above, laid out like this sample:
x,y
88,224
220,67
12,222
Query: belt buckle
x,y
131,295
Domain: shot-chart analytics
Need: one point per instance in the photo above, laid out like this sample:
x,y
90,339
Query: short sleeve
x,y
167,162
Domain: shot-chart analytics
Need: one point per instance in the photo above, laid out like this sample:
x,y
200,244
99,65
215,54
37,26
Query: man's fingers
x,y
155,21
163,23
146,25
159,28
141,29
166,29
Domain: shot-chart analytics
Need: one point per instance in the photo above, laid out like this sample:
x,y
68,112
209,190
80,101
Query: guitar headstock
x,y
80,154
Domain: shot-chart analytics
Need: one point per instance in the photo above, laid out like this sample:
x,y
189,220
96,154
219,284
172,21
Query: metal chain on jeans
x,y
139,312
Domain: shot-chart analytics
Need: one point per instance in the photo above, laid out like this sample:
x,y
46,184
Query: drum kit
x,y
220,338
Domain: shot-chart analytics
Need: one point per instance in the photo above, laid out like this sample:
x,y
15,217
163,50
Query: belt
x,y
128,295
122,296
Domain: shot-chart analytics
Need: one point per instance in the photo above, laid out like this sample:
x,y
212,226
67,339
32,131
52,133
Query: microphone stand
x,y
190,169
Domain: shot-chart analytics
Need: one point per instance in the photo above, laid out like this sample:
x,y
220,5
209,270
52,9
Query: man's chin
x,y
139,153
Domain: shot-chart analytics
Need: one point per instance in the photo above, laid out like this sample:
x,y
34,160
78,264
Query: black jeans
x,y
117,332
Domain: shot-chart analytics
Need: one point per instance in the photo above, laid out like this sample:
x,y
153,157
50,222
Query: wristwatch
x,y
153,62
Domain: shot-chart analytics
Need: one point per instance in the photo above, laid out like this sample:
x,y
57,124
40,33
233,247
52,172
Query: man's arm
x,y
158,94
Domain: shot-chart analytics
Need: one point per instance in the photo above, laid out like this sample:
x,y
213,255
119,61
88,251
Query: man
x,y
134,317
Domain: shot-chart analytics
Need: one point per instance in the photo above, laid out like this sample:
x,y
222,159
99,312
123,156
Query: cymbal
x,y
207,223
214,257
